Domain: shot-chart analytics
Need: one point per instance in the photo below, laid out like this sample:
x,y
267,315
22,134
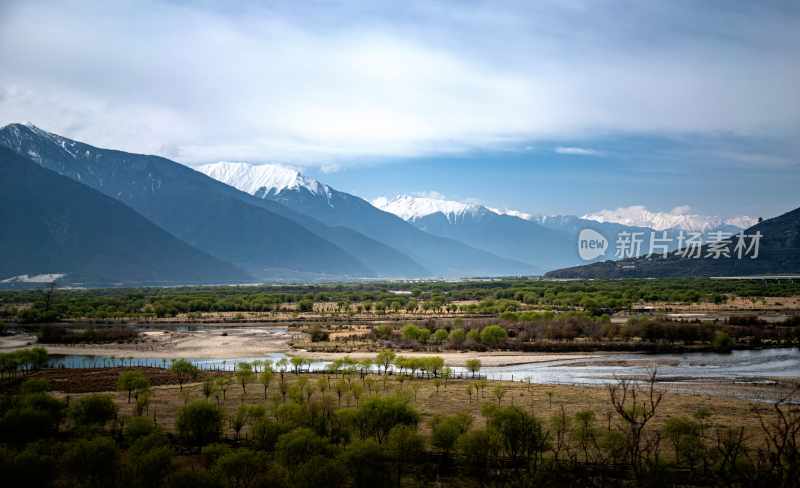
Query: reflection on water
x,y
739,365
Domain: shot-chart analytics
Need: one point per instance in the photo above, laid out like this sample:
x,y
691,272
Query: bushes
x,y
199,423
299,445
93,462
722,342
30,418
445,430
376,417
493,335
93,411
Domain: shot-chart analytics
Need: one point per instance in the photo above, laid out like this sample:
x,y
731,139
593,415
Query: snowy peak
x,y
263,179
677,218
411,207
513,213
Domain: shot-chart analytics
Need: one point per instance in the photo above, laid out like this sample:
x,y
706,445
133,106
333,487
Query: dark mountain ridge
x,y
52,224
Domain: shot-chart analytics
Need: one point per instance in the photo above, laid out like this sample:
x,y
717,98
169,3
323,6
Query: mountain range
x,y
440,255
778,253
237,222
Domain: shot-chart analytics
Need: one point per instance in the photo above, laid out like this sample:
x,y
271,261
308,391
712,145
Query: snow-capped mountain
x,y
434,254
264,180
513,213
502,233
677,218
412,208
208,215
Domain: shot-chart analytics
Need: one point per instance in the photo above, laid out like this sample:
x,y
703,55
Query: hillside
x,y
53,225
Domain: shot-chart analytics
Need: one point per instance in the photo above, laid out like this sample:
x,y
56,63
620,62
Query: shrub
x,y
294,447
242,468
318,334
445,430
93,462
136,428
722,342
457,337
365,461
199,423
131,381
493,335
377,416
93,411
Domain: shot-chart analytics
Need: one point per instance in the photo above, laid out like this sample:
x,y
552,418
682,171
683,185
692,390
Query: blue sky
x,y
652,103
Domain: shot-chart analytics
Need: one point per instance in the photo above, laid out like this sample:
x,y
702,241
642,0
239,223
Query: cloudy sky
x,y
567,106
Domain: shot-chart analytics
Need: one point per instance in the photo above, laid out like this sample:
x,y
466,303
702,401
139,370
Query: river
x,y
750,366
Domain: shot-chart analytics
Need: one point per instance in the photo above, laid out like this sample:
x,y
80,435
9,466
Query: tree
x,y
297,363
244,415
473,366
493,335
244,374
457,337
385,358
93,411
377,416
520,434
445,430
305,306
499,392
150,461
299,445
636,407
478,451
406,446
244,468
410,332
723,342
265,378
184,370
131,381
365,460
439,337
199,423
93,462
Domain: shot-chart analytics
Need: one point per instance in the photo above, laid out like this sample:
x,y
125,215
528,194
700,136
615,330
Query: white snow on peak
x,y
413,207
677,218
512,213
68,145
267,178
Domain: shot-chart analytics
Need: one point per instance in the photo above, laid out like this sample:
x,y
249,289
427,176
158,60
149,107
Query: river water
x,y
739,366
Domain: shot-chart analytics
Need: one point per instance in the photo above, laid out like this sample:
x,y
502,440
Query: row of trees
x,y
494,296
515,330
23,361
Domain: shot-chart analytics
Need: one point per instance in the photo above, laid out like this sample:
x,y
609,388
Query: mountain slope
x,y
442,256
201,211
52,224
480,227
779,253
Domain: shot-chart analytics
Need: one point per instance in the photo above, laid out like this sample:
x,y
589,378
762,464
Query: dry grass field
x,y
435,397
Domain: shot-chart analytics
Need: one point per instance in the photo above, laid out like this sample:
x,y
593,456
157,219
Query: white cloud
x,y
578,151
325,84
